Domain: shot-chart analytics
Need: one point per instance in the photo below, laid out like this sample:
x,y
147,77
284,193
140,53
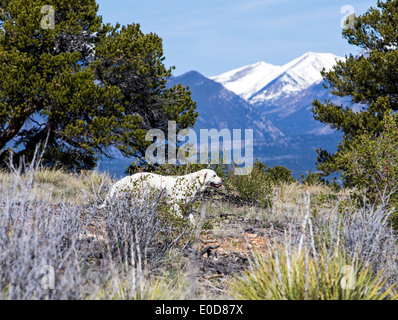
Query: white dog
x,y
179,190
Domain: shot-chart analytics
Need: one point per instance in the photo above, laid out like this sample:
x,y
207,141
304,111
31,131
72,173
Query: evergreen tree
x,y
83,85
370,80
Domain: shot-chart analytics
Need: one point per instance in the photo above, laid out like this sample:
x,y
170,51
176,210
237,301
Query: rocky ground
x,y
224,250
229,249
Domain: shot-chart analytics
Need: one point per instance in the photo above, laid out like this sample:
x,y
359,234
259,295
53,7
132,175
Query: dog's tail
x,y
102,206
107,200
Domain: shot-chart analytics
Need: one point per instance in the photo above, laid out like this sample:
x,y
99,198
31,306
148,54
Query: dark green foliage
x,y
260,166
276,175
280,174
84,86
371,164
370,80
255,188
222,170
133,62
312,178
316,178
371,161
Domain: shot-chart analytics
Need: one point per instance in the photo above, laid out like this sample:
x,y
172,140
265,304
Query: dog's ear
x,y
204,178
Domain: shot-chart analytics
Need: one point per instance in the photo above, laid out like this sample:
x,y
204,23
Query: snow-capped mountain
x,y
263,82
284,94
220,108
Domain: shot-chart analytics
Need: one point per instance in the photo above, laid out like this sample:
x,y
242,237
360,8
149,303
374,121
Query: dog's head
x,y
209,179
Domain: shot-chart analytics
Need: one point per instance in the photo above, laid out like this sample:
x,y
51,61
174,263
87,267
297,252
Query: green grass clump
x,y
285,275
140,289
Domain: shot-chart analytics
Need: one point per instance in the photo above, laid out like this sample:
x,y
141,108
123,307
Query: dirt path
x,y
232,246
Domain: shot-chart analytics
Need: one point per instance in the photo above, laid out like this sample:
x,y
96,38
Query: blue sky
x,y
214,36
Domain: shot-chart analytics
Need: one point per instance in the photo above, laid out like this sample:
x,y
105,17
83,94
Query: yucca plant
x,y
138,287
296,275
326,257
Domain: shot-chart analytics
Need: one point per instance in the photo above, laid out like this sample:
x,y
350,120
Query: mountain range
x,y
262,82
284,94
221,108
274,101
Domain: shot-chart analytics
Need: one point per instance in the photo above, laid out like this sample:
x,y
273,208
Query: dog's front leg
x,y
176,209
184,211
191,219
188,213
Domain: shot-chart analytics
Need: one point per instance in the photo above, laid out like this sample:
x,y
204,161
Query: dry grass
x,y
64,186
67,205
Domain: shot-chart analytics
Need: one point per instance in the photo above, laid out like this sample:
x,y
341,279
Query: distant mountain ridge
x,y
220,108
263,82
284,94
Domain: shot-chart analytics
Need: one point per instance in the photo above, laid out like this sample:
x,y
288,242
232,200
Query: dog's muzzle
x,y
215,186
